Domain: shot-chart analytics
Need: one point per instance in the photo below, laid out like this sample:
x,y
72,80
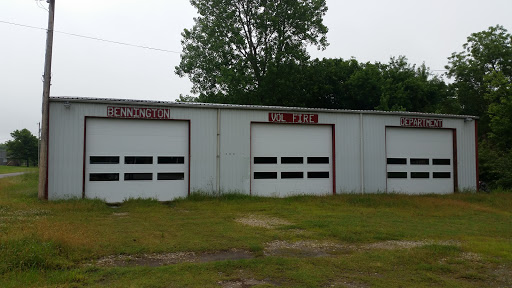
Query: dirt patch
x,y
348,283
120,214
155,260
302,249
244,283
311,248
470,256
262,221
503,276
403,244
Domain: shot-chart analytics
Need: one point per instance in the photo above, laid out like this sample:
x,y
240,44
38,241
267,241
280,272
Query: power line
x,y
92,38
41,6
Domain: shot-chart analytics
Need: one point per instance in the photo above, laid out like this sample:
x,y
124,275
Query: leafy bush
x,y
495,166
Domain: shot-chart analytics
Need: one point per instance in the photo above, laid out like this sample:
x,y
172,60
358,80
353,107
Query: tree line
x,y
22,149
254,52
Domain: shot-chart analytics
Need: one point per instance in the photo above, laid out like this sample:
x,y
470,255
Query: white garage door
x,y
288,159
128,158
419,160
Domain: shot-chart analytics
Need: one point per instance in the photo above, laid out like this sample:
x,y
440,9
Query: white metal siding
x,y
203,147
235,144
66,146
348,151
374,143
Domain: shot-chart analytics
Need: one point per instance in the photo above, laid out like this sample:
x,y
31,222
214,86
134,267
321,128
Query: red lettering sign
x,y
421,122
293,118
142,113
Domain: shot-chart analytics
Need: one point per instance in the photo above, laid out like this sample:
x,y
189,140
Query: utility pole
x,y
43,158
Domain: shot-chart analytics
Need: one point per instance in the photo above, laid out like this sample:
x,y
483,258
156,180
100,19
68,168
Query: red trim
x,y
454,148
189,157
280,123
333,160
101,117
84,159
385,154
455,162
250,159
476,155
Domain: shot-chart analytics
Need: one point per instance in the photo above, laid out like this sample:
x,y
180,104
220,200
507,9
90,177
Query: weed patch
x,y
30,253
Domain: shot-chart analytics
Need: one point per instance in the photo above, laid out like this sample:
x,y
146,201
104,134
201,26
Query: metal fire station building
x,y
115,149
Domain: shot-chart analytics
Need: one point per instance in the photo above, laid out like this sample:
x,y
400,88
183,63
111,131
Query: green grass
x,y
47,243
14,169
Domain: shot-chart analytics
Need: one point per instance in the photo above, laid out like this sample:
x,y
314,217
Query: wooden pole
x,y
43,156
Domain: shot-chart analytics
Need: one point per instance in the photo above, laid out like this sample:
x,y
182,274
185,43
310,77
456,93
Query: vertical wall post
x,y
218,152
361,133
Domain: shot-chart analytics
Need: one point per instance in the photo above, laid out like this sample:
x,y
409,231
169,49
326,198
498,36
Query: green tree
x,y
23,147
348,84
186,98
484,54
482,75
326,86
499,96
408,88
239,48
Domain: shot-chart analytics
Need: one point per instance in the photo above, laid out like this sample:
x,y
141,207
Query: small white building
x,y
119,149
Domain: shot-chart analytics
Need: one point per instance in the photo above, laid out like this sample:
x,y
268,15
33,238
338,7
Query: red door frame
x,y
316,124
454,156
102,117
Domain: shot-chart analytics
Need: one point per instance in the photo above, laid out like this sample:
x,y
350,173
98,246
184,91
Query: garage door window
x,y
398,161
138,160
422,175
104,177
265,175
265,160
441,162
171,176
171,160
420,161
318,160
292,175
104,160
292,160
318,175
138,176
442,175
397,175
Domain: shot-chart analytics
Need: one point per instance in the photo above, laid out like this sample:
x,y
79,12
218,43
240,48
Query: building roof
x,y
244,107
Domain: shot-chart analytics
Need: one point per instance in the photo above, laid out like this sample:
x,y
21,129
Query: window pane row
x,y
291,160
137,160
291,175
418,161
109,177
419,175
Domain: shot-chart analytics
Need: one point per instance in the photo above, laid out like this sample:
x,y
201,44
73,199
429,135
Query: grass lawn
x,y
14,169
385,240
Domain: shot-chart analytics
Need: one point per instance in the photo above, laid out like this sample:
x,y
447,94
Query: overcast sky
x,y
369,30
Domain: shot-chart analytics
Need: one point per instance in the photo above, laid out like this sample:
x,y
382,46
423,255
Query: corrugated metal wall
x,y
356,172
